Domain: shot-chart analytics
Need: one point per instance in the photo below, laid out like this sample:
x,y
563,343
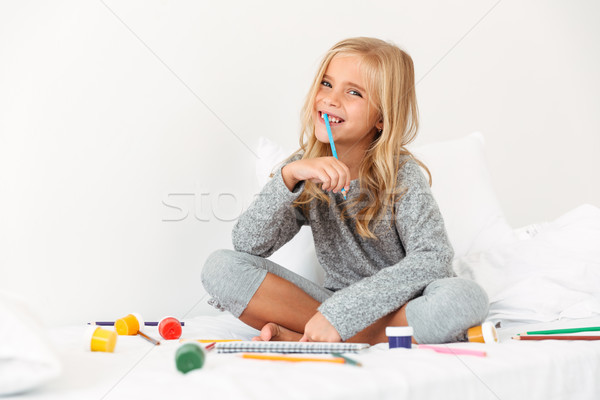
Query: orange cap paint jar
x,y
484,333
99,339
169,328
129,324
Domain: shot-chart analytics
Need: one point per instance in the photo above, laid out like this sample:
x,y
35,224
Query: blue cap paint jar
x,y
399,336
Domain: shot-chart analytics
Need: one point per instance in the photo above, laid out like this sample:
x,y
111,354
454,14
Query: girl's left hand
x,y
319,329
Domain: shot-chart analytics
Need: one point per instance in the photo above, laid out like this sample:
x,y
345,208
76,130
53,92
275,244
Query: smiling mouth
x,y
332,119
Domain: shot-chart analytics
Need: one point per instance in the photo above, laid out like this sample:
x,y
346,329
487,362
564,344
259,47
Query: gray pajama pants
x,y
441,314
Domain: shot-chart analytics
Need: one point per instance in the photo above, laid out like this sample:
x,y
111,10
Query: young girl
x,y
384,250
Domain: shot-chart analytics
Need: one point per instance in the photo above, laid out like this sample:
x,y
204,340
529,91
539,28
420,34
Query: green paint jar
x,y
189,357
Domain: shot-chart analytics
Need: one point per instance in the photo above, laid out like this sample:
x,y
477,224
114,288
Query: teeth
x,y
331,119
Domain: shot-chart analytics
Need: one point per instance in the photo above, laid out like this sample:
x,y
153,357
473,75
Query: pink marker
x,y
450,350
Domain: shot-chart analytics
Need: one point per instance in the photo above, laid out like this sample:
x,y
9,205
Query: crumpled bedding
x,y
512,370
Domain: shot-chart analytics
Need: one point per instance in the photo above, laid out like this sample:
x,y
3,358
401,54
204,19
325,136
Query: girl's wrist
x,y
288,177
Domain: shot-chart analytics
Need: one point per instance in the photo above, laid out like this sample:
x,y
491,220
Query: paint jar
x,y
99,339
484,333
130,324
169,328
399,336
189,356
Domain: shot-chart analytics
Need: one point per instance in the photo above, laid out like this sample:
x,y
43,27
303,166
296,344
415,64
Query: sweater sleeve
x,y
270,221
428,257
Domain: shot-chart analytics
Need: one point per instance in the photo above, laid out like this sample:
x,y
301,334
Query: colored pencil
x,y
209,340
570,330
449,350
261,356
555,337
148,338
326,118
112,323
210,346
348,359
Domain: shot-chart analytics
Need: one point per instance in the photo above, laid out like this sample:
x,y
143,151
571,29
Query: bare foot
x,y
274,332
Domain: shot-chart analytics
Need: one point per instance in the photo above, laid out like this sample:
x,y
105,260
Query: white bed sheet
x,y
512,370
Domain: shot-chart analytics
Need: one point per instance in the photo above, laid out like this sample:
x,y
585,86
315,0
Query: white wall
x,y
111,111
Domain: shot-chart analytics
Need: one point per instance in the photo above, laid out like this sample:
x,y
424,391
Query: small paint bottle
x,y
130,324
99,339
169,328
484,333
189,356
399,336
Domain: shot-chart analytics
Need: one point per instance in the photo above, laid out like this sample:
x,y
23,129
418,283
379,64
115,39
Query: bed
x,y
511,370
542,276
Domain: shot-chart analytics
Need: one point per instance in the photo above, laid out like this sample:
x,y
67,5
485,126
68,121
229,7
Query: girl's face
x,y
342,96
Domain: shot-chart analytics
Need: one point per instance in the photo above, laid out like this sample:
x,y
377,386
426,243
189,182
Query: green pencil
x,y
348,360
571,330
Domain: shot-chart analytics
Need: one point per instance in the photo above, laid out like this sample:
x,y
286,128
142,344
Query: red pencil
x,y
210,346
555,337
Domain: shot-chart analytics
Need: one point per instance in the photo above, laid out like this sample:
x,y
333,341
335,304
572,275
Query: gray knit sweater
x,y
371,277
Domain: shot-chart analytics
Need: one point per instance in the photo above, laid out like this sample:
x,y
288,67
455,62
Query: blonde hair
x,y
389,76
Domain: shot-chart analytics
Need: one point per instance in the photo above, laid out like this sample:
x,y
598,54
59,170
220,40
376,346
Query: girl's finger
x,y
343,176
325,179
333,178
336,174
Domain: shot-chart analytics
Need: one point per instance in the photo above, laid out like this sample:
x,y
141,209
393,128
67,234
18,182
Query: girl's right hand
x,y
329,171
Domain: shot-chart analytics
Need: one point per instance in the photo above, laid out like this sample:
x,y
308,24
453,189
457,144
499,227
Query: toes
x,y
268,332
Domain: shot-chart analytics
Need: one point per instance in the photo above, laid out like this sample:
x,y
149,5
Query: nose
x,y
331,99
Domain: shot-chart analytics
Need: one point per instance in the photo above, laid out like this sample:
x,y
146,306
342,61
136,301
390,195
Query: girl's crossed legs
x,y
279,302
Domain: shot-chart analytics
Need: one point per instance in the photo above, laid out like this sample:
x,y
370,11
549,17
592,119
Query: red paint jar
x,y
169,328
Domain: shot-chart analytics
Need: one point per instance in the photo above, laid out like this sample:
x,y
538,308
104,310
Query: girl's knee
x,y
217,267
231,278
468,297
447,309
225,269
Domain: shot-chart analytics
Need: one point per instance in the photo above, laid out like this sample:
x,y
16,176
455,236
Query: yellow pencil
x,y
337,360
209,340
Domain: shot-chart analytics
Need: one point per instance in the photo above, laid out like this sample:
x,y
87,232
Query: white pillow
x,y
552,275
298,255
270,154
26,357
461,186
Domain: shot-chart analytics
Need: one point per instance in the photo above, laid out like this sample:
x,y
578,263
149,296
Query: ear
x,y
379,125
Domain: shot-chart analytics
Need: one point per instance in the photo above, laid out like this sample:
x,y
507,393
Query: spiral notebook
x,y
289,347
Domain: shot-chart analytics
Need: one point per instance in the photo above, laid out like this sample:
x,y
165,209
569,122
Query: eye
x,y
326,84
355,93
